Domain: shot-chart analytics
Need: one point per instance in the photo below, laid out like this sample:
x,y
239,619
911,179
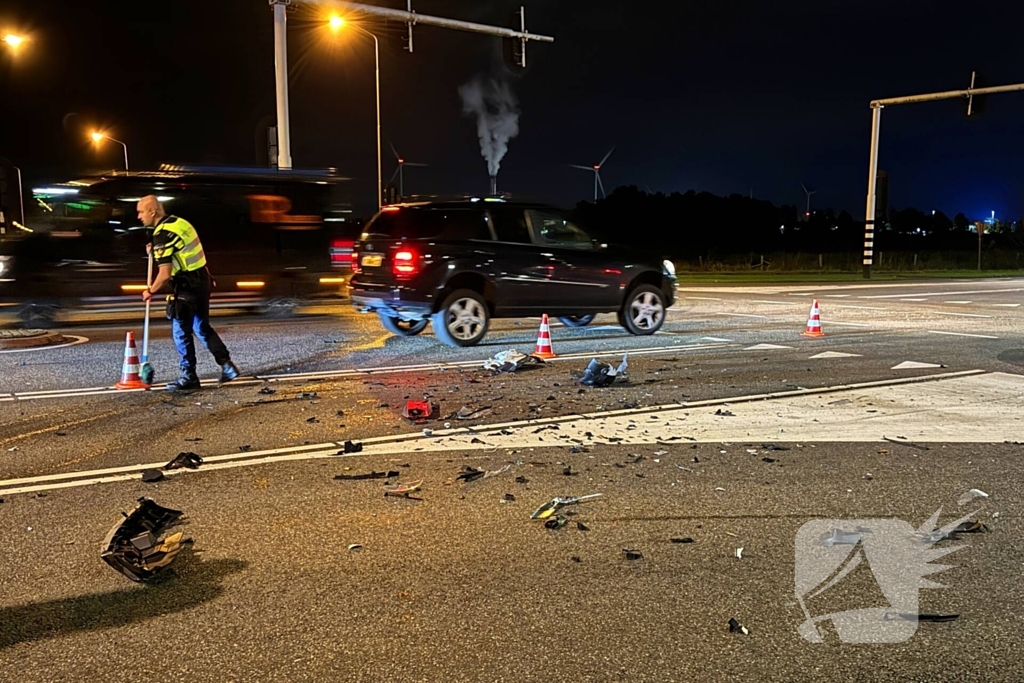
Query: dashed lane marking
x,y
957,302
963,334
907,299
861,308
836,322
775,303
962,315
742,315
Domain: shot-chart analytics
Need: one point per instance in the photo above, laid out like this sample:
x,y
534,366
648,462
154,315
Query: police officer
x,y
179,255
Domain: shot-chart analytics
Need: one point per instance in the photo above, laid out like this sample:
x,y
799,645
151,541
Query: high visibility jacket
x,y
175,241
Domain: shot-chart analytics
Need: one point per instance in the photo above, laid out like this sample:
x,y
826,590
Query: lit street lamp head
x,y
13,41
97,137
336,23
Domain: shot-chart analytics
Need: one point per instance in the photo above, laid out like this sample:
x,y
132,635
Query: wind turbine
x,y
597,173
807,215
402,163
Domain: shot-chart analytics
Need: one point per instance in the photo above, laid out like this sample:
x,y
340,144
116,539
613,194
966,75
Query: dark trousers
x,y
192,315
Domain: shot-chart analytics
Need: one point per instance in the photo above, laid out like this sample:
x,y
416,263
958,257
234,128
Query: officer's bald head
x,y
150,211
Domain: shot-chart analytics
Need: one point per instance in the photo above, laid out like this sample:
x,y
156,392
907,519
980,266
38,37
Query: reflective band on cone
x,y
130,370
543,349
814,322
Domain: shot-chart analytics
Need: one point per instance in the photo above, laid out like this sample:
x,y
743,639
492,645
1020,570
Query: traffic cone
x,y
130,370
814,322
543,349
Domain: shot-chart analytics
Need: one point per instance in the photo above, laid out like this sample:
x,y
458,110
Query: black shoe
x,y
186,384
229,371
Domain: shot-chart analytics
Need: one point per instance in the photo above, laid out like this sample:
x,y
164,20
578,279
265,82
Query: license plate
x,y
372,260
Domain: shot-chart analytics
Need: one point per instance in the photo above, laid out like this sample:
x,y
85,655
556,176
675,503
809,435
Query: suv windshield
x,y
430,223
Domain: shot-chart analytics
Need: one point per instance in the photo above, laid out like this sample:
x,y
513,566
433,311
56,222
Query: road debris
x,y
567,471
582,527
509,361
245,448
404,490
685,539
267,391
774,447
366,475
923,616
768,460
355,547
469,473
557,503
739,553
598,374
632,554
135,546
467,413
555,522
419,411
969,527
508,498
906,443
307,394
725,413
737,627
151,476
351,447
971,495
522,480
188,460
840,537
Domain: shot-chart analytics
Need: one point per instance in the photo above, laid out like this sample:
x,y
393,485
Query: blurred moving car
x,y
274,239
459,264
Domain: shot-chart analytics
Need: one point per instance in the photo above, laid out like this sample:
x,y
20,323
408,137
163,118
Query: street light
x,y
337,23
13,41
99,137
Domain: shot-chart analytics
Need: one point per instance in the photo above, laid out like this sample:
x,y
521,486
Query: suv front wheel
x,y
644,310
462,319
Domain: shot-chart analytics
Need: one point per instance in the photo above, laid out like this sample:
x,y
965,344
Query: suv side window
x,y
463,224
510,225
553,229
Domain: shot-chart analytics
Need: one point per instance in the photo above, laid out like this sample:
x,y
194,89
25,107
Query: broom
x,y
146,373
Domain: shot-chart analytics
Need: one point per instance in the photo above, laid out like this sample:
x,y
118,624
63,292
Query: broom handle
x,y
145,327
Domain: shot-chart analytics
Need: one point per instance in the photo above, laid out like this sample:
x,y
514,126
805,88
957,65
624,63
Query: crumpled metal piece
x,y
509,361
598,374
136,546
556,504
189,460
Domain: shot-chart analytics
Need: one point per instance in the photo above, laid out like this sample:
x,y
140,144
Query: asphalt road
x,y
462,585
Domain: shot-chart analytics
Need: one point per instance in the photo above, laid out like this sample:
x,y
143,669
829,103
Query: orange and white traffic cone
x,y
130,370
543,349
814,322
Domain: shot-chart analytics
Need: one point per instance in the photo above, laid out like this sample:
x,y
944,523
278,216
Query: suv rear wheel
x,y
400,327
462,319
644,310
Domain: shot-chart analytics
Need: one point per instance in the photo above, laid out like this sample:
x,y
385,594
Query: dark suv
x,y
459,264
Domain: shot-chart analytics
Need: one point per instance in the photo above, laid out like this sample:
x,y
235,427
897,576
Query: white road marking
x,y
715,339
76,340
956,302
836,322
973,291
765,347
743,315
837,296
962,315
459,438
704,298
963,334
914,365
1007,305
905,299
835,354
775,303
862,308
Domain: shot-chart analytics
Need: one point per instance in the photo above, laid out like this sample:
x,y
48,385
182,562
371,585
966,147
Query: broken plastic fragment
x,y
189,460
307,394
418,410
840,537
267,391
135,546
404,490
467,413
150,476
632,554
582,527
971,495
469,474
737,627
509,498
724,413
509,361
555,504
355,547
923,616
739,553
555,522
351,447
685,539
598,374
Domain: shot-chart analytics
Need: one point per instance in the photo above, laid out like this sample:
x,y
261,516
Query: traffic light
x,y
515,48
976,103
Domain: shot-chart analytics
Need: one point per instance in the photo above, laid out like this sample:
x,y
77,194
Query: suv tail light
x,y
405,263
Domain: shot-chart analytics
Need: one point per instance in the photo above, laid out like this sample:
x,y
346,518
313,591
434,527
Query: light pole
x,y
284,134
336,23
98,137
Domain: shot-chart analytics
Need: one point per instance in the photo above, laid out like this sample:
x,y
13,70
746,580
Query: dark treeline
x,y
693,225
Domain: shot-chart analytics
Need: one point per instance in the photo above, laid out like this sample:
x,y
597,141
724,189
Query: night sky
x,y
725,97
